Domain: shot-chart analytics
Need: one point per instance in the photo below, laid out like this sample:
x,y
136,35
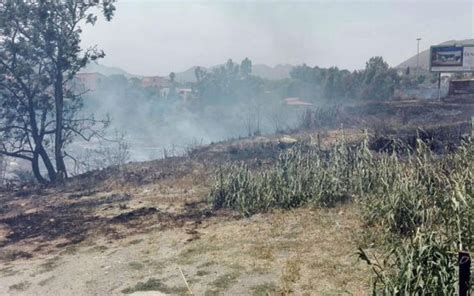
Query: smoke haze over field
x,y
157,37
156,125
149,38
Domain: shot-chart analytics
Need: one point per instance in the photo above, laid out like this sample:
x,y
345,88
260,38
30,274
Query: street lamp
x,y
417,55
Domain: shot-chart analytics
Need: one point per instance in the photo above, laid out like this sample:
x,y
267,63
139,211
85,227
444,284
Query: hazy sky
x,y
157,37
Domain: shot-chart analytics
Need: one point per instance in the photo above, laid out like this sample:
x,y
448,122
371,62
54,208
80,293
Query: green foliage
x,y
153,284
228,83
424,266
325,116
420,79
300,175
420,204
425,214
377,81
40,54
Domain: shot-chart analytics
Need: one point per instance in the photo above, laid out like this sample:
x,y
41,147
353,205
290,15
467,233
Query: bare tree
x,y
278,118
108,152
3,169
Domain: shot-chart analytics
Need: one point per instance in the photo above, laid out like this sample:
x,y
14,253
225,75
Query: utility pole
x,y
417,56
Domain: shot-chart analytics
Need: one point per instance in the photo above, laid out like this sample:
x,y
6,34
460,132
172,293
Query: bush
x,y
420,204
298,177
425,266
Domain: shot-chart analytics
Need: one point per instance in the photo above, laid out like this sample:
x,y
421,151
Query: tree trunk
x,y
59,102
39,148
35,168
47,163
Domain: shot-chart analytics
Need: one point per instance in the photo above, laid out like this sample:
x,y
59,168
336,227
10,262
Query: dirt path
x,y
304,252
134,229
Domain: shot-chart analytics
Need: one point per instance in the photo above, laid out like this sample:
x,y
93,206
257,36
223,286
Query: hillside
x,y
264,71
425,55
272,73
280,71
120,231
135,228
106,70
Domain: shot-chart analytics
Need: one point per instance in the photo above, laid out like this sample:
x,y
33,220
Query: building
x,y
88,81
296,102
185,93
156,82
164,92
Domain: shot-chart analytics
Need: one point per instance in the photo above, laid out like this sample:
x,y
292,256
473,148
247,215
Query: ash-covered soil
x,y
125,230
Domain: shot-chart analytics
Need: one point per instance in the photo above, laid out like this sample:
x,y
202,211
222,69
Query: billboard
x,y
452,58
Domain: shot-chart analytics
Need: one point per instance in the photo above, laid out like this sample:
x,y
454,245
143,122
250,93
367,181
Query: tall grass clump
x,y
298,177
420,204
426,216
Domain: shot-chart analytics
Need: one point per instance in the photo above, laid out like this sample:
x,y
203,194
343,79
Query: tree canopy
x,y
377,81
40,54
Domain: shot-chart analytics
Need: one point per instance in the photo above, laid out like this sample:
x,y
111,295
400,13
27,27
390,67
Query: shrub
x,y
420,203
300,175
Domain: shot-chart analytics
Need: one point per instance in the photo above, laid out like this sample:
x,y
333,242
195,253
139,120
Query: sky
x,y
149,37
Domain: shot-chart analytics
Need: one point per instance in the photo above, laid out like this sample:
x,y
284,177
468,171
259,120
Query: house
x,y
156,82
185,93
88,81
164,92
296,102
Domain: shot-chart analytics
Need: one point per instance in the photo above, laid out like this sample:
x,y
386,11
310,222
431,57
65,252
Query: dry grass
x,y
300,251
304,251
422,203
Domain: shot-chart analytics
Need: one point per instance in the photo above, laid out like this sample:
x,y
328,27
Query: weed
x,y
224,281
136,265
202,272
45,281
263,253
48,266
420,205
207,264
8,271
290,275
69,250
265,289
98,248
191,254
155,285
21,286
212,293
135,241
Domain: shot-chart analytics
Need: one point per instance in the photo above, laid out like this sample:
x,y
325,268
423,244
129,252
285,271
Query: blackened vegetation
x,y
70,221
441,139
134,214
50,225
93,203
393,125
136,174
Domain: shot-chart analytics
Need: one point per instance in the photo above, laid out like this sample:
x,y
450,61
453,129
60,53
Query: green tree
x,y
420,79
246,67
228,83
199,73
172,77
379,80
40,55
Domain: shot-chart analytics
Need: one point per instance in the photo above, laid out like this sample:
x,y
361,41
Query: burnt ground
x,y
109,202
99,200
168,196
